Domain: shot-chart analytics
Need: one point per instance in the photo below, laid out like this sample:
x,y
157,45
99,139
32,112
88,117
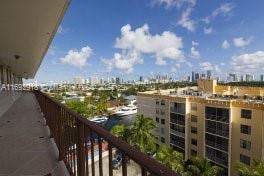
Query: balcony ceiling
x,y
27,28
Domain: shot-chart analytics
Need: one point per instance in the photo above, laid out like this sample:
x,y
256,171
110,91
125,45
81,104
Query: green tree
x,y
139,134
172,159
78,107
57,97
257,168
202,167
142,133
101,107
121,132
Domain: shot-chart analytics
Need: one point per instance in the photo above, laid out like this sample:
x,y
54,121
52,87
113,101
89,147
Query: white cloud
x,y
204,66
249,62
77,58
124,61
164,46
194,43
241,42
225,9
208,30
195,53
185,20
225,44
173,3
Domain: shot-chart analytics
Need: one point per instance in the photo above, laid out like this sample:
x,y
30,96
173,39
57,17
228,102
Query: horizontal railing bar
x,y
150,164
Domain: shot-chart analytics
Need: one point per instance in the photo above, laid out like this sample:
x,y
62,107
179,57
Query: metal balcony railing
x,y
79,140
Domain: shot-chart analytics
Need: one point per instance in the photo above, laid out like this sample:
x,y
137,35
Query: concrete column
x,y
2,74
6,75
10,76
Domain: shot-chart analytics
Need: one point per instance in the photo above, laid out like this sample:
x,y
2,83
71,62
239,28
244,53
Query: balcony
x,y
26,146
37,131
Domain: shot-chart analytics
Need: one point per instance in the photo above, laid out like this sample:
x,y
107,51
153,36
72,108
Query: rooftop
x,y
210,91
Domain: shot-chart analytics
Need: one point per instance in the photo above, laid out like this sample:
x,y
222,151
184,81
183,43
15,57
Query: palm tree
x,y
243,169
257,168
141,134
202,167
173,159
122,132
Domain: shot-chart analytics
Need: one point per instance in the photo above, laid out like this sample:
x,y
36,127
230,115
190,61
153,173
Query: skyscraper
x,y
262,78
193,79
141,79
249,77
209,74
196,76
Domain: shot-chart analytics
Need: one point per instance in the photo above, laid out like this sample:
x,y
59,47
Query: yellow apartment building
x,y
221,123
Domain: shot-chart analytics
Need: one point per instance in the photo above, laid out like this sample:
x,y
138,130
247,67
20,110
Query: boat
x,y
126,110
99,119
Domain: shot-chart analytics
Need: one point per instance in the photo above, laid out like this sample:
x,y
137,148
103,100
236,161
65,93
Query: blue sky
x,y
158,36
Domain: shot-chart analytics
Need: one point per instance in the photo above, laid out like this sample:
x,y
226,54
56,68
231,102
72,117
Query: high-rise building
x,y
202,76
241,78
94,80
193,77
249,77
141,79
189,79
117,80
233,77
223,129
78,80
262,78
208,74
196,76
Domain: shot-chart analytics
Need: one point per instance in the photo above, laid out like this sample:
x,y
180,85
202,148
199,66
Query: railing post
x,y
80,149
61,134
100,156
124,164
110,158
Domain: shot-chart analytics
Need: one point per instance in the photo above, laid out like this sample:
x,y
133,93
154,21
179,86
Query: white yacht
x,y
127,110
99,119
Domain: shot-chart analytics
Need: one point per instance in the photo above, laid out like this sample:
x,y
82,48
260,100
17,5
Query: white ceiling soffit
x,y
27,28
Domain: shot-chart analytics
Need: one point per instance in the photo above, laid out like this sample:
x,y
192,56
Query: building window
x,y
194,118
194,142
245,129
162,112
157,111
162,121
193,153
245,159
162,139
162,102
194,107
194,130
246,114
157,119
157,102
162,130
245,144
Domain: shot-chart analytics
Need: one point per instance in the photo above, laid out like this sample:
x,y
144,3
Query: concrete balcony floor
x,y
25,146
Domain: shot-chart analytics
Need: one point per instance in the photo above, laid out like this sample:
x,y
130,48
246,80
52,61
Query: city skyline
x,y
171,37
